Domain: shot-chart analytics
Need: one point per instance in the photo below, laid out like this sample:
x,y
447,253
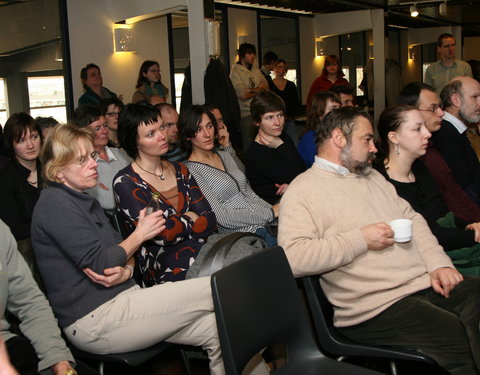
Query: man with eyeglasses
x,y
439,73
426,100
461,99
170,119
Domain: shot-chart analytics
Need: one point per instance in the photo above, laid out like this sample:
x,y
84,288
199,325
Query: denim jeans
x,y
446,329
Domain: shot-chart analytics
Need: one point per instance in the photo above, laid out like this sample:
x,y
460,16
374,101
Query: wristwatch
x,y
71,371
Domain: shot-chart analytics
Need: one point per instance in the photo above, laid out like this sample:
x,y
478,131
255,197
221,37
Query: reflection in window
x,y
3,103
47,97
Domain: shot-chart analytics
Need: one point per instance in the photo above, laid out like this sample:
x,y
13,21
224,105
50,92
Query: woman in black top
x,y
285,89
20,178
403,138
272,160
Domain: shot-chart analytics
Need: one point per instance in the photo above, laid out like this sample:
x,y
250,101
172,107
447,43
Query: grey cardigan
x,y
70,232
20,295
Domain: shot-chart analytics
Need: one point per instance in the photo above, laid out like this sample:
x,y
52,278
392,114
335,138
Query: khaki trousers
x,y
180,312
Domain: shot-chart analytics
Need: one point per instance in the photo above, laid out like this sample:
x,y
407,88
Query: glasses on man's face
x,y
100,127
434,108
112,114
168,125
83,160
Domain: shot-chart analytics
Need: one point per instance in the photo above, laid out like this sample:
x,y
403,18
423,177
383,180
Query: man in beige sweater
x,y
333,222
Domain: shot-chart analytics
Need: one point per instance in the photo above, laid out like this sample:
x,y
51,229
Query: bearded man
x,y
334,223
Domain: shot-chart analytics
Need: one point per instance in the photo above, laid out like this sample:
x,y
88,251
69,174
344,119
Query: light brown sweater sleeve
x,y
301,234
433,255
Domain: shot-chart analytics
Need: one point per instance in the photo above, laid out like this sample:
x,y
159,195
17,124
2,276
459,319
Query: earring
x,y
397,151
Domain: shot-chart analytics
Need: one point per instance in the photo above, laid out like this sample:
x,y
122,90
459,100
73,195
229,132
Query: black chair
x,y
131,359
335,344
257,305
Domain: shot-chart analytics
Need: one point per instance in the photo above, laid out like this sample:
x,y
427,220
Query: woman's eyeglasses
x,y
83,160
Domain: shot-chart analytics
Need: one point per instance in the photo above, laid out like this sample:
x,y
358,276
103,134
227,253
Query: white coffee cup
x,y
402,230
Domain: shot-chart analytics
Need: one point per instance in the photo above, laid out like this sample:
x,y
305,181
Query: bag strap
x,y
215,259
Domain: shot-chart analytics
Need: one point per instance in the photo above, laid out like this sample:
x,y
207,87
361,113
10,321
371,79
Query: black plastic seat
x,y
257,304
131,359
335,344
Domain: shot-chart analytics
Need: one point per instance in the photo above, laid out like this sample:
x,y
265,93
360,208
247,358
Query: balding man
x,y
461,101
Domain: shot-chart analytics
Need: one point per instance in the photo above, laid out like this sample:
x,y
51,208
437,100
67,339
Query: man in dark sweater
x,y
461,100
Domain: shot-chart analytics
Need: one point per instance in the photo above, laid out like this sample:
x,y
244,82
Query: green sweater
x,y
321,216
20,295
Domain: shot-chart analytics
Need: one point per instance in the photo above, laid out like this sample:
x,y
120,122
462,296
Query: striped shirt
x,y
236,206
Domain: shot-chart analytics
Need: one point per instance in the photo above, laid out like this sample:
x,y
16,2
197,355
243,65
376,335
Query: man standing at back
x,y
333,222
439,73
247,81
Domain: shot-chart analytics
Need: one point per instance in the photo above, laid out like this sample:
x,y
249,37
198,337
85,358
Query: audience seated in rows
x,y
272,161
322,103
189,217
111,108
425,99
403,138
109,160
236,207
86,267
333,222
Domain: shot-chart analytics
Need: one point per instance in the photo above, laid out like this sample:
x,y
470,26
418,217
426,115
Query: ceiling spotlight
x,y
413,10
442,9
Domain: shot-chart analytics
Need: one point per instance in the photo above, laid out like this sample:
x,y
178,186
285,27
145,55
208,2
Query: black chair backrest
x,y
321,310
257,304
334,343
119,224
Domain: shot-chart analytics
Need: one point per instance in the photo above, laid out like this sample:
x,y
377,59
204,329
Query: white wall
x,y
28,24
311,66
241,22
91,40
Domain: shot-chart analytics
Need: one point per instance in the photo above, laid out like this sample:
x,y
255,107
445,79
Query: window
x,y
3,103
47,97
179,78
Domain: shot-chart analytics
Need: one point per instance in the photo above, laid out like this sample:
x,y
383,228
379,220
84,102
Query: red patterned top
x,y
168,256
